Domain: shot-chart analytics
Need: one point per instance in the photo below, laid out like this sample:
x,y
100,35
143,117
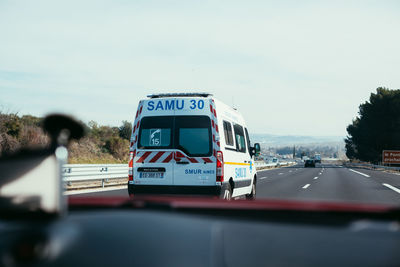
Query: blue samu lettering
x,y
165,105
150,105
240,172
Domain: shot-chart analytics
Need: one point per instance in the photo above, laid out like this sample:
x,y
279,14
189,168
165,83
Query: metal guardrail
x,y
275,164
371,166
263,164
87,172
103,172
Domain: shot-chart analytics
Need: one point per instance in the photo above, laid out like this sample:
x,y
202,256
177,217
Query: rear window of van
x,y
190,134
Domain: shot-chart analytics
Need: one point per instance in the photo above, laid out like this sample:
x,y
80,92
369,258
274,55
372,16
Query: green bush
x,y
102,144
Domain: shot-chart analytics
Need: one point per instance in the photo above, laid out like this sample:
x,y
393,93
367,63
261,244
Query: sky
x,y
290,67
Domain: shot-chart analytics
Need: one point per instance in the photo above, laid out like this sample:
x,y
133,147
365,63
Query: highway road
x,y
325,182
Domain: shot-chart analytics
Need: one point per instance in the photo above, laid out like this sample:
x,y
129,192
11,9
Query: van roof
x,y
227,112
180,95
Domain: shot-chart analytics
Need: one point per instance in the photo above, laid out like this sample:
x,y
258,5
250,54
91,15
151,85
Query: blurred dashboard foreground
x,y
160,231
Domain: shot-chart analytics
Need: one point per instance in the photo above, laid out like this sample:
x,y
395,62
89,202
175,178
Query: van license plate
x,y
151,175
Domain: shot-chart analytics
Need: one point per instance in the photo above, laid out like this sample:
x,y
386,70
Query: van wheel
x,y
252,195
227,193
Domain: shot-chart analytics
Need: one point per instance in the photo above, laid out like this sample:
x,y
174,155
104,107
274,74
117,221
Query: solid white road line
x,y
316,177
392,187
363,174
307,185
94,190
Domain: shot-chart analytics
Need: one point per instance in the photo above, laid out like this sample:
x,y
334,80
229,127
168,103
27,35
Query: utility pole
x,y
294,152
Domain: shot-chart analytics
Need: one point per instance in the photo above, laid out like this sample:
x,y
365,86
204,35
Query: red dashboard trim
x,y
209,203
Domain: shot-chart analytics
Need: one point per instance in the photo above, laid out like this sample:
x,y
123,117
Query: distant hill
x,y
288,140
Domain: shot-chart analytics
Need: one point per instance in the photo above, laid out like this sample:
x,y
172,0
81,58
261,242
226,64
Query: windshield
x,y
251,100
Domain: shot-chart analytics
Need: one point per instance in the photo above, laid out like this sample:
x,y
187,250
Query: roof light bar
x,y
180,95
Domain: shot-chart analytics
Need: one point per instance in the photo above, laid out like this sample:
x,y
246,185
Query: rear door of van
x,y
154,155
195,141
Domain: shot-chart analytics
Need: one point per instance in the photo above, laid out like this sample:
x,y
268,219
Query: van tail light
x,y
220,166
130,174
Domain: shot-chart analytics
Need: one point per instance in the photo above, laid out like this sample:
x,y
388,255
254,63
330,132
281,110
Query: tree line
x,y
376,128
101,144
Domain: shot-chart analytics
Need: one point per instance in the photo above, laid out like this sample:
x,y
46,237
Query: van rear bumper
x,y
175,189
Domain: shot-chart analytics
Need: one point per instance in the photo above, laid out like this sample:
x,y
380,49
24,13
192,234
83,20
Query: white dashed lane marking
x,y
307,185
363,174
316,177
395,189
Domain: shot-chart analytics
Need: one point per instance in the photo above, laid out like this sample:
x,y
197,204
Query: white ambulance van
x,y
191,143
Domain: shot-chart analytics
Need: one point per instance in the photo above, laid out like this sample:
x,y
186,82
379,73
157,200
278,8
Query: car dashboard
x,y
164,235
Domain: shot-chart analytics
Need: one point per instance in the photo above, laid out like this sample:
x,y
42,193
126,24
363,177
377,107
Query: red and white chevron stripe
x,y
135,129
215,130
166,157
154,157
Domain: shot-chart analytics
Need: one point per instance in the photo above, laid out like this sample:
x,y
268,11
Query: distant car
x,y
309,163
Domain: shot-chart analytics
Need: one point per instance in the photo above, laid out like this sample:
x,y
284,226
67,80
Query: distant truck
x,y
317,158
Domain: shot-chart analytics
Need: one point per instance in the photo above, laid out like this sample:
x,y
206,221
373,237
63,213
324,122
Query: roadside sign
x,y
391,156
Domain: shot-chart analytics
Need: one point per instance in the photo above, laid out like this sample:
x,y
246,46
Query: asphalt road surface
x,y
325,182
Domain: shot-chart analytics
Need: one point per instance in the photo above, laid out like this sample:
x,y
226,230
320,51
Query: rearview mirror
x,y
255,150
